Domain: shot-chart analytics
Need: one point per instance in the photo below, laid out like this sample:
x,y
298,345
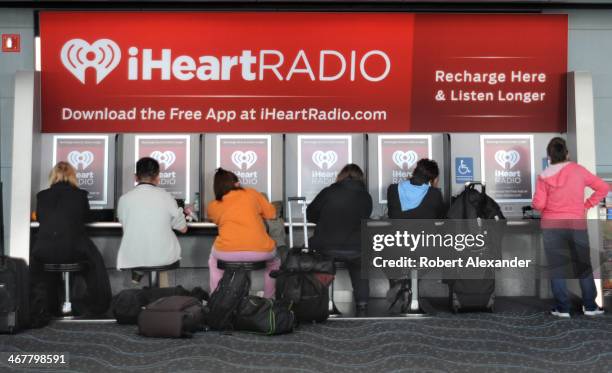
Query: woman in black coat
x,y
62,211
338,210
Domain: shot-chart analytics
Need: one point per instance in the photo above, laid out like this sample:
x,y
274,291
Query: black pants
x,y
361,286
96,296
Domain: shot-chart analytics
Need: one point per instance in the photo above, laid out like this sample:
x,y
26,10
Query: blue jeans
x,y
568,254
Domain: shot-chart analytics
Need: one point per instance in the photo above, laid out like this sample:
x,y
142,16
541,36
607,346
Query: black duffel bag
x,y
171,317
127,304
264,316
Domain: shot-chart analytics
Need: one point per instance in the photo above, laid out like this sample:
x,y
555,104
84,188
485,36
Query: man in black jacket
x,y
338,210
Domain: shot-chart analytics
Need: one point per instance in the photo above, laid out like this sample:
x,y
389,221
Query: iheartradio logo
x,y
78,55
247,158
328,158
104,55
84,159
507,158
166,158
408,158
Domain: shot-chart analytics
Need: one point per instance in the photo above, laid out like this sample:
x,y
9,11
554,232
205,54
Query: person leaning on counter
x,y
149,215
62,211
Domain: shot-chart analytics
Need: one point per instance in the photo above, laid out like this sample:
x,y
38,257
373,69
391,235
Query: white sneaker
x,y
596,312
556,312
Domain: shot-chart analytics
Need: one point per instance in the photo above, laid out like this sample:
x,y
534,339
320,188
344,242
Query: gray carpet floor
x,y
475,342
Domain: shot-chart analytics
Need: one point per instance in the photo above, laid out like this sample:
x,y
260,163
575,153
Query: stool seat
x,y
247,266
174,265
64,267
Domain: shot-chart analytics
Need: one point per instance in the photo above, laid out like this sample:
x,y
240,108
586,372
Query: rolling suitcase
x,y
304,277
14,295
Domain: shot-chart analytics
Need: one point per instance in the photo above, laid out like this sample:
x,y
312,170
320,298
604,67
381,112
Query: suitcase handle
x,y
291,199
472,184
301,201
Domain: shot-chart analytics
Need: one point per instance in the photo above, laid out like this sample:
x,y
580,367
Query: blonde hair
x,y
63,172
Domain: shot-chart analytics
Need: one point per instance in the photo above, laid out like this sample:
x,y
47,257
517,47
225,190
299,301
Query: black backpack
x,y
171,317
225,301
467,294
264,316
472,204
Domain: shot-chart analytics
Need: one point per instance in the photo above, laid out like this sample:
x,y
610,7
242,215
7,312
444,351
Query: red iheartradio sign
x,y
490,73
225,72
302,72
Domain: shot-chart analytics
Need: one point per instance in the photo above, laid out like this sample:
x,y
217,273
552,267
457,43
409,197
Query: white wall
x,y
12,21
590,49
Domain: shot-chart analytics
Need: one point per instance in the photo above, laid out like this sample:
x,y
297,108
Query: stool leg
x,y
153,279
333,310
414,302
67,306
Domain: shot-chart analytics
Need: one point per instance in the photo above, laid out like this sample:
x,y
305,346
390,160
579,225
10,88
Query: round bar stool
x,y
66,269
245,266
153,272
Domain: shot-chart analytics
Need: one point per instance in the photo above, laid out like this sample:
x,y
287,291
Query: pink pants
x,y
272,264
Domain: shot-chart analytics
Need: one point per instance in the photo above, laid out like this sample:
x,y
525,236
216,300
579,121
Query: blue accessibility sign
x,y
464,170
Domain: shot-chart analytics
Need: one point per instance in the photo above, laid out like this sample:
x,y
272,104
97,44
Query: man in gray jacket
x,y
149,215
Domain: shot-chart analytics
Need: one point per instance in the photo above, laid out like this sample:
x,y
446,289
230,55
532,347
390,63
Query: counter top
x,y
209,225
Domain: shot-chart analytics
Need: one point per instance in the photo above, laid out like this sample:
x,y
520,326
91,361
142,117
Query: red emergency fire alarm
x,y
11,43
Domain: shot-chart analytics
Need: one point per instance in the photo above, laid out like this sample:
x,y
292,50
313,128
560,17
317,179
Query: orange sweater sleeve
x,y
213,211
266,209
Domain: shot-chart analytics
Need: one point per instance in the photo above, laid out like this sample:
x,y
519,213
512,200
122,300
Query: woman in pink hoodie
x,y
560,198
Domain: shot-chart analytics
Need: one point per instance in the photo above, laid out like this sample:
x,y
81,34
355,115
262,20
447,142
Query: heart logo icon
x,y
76,158
166,158
247,158
408,158
321,158
78,55
507,159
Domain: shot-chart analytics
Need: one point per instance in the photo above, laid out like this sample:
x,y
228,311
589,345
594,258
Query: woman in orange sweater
x,y
239,213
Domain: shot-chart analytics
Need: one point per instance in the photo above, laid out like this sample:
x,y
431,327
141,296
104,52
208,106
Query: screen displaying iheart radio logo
x,y
172,153
302,72
248,156
89,157
508,168
320,159
397,158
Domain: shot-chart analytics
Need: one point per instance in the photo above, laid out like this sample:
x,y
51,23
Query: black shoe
x,y
361,310
137,276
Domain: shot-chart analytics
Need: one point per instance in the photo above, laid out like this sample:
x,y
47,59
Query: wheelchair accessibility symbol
x,y
464,170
